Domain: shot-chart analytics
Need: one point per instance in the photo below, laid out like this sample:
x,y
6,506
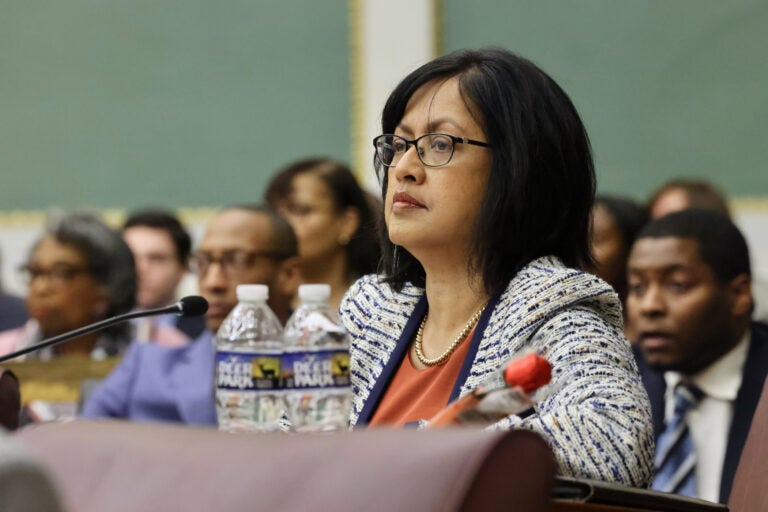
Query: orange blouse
x,y
418,394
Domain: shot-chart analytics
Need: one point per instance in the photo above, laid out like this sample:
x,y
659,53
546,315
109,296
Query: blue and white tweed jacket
x,y
595,413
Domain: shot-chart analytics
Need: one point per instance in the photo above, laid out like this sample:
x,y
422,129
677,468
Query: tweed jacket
x,y
595,412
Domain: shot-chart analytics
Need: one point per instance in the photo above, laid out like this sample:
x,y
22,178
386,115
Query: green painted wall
x,y
174,102
665,87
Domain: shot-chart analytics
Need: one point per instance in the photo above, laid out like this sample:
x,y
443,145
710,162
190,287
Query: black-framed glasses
x,y
59,274
434,149
232,262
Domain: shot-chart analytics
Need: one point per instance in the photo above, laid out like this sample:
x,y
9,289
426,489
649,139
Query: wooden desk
x,y
59,379
580,506
579,495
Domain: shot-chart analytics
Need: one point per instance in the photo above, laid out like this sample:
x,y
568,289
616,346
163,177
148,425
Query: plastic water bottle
x,y
316,364
248,356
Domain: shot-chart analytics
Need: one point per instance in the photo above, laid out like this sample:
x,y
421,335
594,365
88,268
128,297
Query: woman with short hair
x,y
79,271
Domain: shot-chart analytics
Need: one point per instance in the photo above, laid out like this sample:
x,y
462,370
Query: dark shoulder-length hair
x,y
363,248
542,183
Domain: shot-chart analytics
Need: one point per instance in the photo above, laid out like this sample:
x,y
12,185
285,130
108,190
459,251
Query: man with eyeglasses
x,y
241,245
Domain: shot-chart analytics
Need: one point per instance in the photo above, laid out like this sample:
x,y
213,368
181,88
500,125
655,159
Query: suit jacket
x,y
159,383
13,312
753,378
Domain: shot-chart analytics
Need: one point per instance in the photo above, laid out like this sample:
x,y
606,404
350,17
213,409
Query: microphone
x,y
528,372
193,305
521,377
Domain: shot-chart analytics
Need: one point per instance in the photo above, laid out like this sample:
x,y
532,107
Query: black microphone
x,y
193,305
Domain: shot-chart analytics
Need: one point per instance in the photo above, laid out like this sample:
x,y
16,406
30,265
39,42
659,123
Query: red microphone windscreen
x,y
529,372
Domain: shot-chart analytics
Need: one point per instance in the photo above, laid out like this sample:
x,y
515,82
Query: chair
x,y
111,466
750,483
10,399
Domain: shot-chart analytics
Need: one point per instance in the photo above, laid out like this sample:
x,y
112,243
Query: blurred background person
x,y
702,360
13,311
241,245
615,224
683,193
161,248
80,271
333,221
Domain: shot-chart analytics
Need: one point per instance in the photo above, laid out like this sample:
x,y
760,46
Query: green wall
x,y
196,103
175,102
665,87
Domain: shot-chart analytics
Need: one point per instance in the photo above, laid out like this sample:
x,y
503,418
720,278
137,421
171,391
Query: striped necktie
x,y
675,464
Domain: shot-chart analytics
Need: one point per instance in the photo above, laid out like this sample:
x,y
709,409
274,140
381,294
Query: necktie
x,y
675,464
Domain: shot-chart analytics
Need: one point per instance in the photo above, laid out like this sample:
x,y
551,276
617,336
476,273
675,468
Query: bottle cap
x,y
252,292
314,292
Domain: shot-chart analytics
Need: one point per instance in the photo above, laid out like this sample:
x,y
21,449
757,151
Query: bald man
x,y
241,245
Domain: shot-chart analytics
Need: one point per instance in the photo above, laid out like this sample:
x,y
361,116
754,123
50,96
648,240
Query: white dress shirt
x,y
710,421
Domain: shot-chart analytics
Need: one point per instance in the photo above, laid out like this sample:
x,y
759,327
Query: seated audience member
x,y
241,245
615,224
683,193
680,194
488,187
333,221
689,302
161,248
79,272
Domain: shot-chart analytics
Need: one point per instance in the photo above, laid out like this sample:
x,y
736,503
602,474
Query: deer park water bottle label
x,y
247,371
316,369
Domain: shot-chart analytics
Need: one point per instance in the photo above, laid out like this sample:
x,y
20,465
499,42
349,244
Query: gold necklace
x,y
417,343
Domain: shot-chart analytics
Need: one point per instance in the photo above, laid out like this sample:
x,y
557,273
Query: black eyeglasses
x,y
58,275
232,262
434,149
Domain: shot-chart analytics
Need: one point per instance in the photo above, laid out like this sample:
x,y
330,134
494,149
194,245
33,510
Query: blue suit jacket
x,y
753,378
158,383
13,312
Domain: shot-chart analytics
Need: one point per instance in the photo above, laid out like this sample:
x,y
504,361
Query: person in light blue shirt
x,y
242,245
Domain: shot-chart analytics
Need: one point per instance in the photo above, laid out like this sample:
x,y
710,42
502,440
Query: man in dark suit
x,y
161,248
690,303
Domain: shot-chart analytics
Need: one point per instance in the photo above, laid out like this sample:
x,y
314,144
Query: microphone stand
x,y
175,308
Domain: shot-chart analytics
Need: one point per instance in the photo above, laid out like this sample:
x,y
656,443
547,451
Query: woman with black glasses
x,y
80,271
488,185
